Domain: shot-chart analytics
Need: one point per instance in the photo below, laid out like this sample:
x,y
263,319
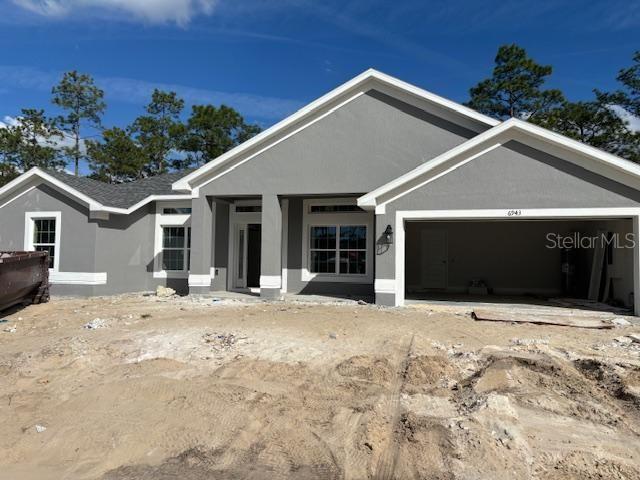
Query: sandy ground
x,y
187,388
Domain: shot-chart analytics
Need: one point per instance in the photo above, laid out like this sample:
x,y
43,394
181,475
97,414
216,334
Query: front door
x,y
434,259
248,240
254,247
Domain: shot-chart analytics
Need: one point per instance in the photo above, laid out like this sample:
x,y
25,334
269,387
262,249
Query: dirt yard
x,y
188,388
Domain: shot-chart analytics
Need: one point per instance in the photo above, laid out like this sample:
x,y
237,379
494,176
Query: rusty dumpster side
x,y
24,278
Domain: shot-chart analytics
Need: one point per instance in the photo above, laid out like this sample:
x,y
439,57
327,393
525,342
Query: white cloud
x,y
138,92
179,12
633,121
66,140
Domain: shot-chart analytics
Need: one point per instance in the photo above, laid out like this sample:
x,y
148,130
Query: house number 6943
x,y
514,213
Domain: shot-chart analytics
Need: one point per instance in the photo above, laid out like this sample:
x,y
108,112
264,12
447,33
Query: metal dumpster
x,y
24,278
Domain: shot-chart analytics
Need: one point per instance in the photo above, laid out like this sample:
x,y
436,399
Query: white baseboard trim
x,y
165,274
78,278
200,280
270,281
384,285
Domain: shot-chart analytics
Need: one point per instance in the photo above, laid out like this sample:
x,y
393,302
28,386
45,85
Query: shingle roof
x,y
122,195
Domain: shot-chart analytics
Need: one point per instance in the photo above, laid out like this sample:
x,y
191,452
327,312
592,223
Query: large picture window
x,y
176,248
44,237
338,249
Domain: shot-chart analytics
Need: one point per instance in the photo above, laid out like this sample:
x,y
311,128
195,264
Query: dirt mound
x,y
543,383
370,369
428,372
621,382
585,466
198,463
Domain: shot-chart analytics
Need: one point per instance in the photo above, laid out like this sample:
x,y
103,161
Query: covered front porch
x,y
271,245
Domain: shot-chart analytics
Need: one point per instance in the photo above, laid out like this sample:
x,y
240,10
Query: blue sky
x,y
269,57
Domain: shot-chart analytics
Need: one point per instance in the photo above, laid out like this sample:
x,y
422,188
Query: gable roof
x,y
586,156
104,197
269,137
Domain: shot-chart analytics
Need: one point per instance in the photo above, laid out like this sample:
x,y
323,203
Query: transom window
x,y
176,211
176,248
338,249
338,208
248,208
44,237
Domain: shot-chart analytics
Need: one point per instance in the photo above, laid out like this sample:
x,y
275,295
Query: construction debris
x,y
222,341
529,341
165,291
621,322
96,323
522,316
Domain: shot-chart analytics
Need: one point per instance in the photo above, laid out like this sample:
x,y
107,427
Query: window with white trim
x,y
44,238
176,248
337,241
338,249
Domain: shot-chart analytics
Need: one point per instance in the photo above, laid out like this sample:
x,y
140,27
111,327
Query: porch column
x,y
385,283
636,265
271,253
202,212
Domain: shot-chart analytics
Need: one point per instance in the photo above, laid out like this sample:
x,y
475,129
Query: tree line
x,y
159,140
155,142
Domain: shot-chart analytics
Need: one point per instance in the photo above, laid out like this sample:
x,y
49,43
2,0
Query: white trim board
x,y
168,220
78,278
199,280
585,156
29,217
349,90
270,281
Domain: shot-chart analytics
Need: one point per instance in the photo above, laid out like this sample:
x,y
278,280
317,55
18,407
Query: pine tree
x,y
29,142
83,103
515,87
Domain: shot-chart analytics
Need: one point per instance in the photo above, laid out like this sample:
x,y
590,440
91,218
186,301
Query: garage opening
x,y
520,260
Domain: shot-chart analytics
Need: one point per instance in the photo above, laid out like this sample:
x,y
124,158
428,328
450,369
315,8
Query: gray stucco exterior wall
x,y
220,246
121,246
515,176
77,250
355,149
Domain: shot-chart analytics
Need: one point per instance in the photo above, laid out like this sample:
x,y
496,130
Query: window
x,y
44,237
353,249
323,250
176,248
334,208
248,208
338,249
176,211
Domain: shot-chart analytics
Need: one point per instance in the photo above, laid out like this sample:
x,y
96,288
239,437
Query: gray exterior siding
x,y
78,242
121,246
515,176
355,149
220,246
